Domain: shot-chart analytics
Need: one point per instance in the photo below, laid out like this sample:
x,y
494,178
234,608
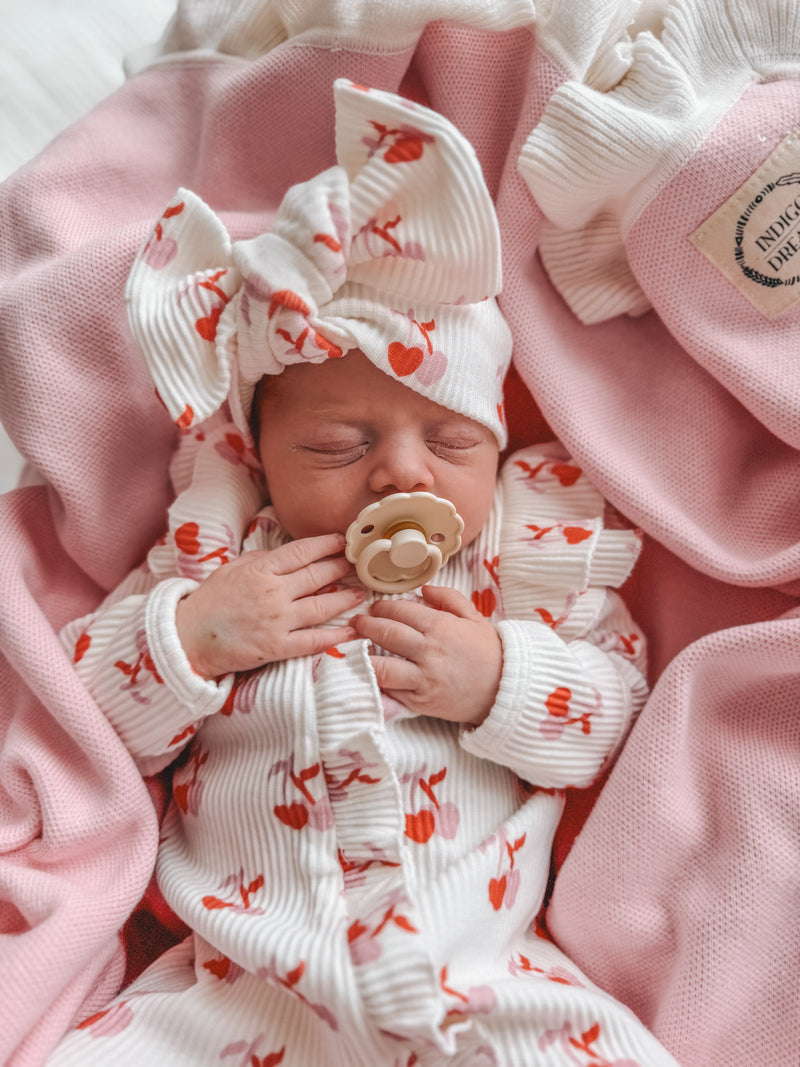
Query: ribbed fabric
x,y
329,854
597,159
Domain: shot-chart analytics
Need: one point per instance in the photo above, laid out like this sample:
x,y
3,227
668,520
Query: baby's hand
x,y
264,606
447,658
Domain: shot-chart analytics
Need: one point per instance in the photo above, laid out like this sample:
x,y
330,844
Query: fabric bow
x,y
395,251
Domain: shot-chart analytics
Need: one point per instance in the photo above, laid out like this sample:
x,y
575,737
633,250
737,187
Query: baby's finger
x,y
396,637
443,598
316,610
408,612
395,676
313,642
317,575
295,555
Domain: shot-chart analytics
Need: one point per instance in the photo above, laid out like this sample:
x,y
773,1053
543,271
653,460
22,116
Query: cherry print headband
x,y
395,251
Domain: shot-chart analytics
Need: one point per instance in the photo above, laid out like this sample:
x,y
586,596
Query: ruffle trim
x,y
556,556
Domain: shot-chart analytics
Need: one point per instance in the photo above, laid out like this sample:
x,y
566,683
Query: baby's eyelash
x,y
338,454
442,447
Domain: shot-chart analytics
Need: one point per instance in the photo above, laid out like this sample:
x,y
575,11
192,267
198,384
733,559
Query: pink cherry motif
x,y
447,819
160,252
432,369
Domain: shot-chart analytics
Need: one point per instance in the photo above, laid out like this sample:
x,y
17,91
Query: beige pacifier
x,y
400,542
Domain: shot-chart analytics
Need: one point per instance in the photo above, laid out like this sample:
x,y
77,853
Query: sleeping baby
x,y
378,663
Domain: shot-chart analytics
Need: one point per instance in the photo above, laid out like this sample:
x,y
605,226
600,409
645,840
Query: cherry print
x,y
541,477
290,982
249,1053
478,1000
485,601
184,735
81,647
215,903
576,534
307,811
573,535
441,818
403,360
159,251
404,144
363,941
186,538
580,1050
560,975
429,364
503,887
140,671
184,420
109,1022
206,326
328,241
559,712
188,791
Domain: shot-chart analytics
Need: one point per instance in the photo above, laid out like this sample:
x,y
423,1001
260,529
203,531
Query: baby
x,y
362,821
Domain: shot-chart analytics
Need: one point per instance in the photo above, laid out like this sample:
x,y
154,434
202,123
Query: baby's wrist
x,y
190,635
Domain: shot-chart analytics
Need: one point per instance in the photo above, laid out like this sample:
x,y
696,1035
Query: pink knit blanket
x,y
681,894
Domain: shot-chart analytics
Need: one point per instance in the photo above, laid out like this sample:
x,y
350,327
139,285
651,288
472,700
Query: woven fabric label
x,y
754,238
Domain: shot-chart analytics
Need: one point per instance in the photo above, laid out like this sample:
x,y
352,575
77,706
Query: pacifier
x,y
400,542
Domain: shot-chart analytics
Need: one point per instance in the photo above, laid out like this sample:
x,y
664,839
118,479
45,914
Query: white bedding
x,y
58,58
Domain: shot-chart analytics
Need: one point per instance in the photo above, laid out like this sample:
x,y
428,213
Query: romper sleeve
x,y
573,658
128,653
131,661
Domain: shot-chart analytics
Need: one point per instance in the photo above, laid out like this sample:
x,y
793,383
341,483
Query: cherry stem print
x,y
440,817
315,812
574,1046
246,891
503,888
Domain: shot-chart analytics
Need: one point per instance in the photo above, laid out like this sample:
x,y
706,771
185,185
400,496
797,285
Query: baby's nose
x,y
402,468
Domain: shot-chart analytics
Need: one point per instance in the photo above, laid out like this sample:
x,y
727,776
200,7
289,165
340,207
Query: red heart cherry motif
x,y
185,418
292,815
420,827
207,327
576,534
405,150
186,538
497,890
219,968
181,794
557,703
566,473
485,601
402,360
82,647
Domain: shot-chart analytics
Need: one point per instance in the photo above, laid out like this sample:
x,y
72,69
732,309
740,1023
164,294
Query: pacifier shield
x,y
400,542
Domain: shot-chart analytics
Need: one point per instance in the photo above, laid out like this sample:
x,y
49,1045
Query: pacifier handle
x,y
409,554
399,542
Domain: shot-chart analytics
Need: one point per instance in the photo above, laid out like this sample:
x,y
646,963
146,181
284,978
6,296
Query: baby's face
x,y
339,435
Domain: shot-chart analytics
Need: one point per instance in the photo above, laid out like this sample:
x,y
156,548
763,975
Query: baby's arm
x,y
551,710
266,606
130,653
446,657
